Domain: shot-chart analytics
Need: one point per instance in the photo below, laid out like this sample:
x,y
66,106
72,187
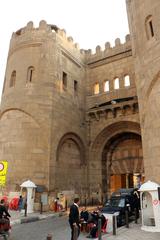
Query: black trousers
x,y
75,231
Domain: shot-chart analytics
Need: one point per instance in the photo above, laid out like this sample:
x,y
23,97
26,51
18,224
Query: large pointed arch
x,y
77,140
103,150
70,164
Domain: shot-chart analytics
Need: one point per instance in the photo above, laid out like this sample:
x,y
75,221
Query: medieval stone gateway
x,y
78,122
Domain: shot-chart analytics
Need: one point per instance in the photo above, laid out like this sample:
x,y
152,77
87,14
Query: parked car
x,y
120,201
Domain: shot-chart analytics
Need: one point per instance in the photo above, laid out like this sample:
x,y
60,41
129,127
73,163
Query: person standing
x,y
74,219
20,203
56,204
3,210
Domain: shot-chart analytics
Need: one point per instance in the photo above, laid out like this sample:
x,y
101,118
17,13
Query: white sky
x,y
89,22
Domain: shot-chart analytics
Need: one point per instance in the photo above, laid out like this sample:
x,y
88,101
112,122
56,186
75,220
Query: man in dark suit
x,y
74,219
3,209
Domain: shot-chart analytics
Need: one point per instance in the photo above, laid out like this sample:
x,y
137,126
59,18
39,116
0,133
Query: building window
x,y
127,81
149,27
75,85
64,81
13,79
106,86
30,74
96,88
116,83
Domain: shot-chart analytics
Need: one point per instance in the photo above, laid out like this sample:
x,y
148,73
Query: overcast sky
x,y
89,22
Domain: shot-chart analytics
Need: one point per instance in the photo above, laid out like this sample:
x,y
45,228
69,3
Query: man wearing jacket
x,y
3,209
74,219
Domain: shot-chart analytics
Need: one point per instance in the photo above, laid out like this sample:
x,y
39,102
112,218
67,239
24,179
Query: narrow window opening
x,y
30,79
106,86
30,74
127,81
151,28
64,81
116,83
13,79
96,88
75,85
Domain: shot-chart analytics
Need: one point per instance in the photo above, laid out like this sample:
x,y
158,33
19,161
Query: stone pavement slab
x,y
134,232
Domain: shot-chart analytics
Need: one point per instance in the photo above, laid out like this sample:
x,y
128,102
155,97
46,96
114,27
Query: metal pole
x,y
25,209
41,207
114,224
135,214
99,229
49,237
66,205
127,220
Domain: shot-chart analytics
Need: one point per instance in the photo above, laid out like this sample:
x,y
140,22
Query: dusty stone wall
x,y
26,111
41,110
102,112
67,163
61,127
145,34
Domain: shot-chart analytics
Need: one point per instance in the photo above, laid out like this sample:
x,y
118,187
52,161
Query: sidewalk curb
x,y
40,217
17,221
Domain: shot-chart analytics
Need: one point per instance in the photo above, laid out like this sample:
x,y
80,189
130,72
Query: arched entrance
x,y
116,158
122,162
70,164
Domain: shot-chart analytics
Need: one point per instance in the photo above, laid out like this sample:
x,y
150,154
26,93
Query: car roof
x,y
124,191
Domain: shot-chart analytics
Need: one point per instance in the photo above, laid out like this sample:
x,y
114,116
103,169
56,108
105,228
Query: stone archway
x,y
104,157
122,162
70,164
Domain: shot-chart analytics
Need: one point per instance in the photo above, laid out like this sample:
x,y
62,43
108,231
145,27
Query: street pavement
x,y
134,231
19,217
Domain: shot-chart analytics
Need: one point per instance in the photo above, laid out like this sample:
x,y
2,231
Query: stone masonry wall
x,y
145,34
54,128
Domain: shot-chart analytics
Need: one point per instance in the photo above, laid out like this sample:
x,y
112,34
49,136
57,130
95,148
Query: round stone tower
x,y
144,22
35,93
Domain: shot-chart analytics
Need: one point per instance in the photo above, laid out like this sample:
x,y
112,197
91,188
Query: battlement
x,y
109,51
30,34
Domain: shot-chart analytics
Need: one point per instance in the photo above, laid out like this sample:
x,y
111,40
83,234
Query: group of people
x,y
4,214
78,219
4,207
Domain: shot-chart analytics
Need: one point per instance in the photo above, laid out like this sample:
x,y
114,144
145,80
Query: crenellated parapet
x,y
30,35
117,49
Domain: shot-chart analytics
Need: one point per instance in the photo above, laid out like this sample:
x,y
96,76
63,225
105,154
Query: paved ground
x,y
134,232
18,218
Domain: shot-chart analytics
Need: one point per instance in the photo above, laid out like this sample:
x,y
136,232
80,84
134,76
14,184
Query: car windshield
x,y
116,202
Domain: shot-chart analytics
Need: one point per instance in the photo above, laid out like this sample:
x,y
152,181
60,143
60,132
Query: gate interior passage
x,y
122,162
125,181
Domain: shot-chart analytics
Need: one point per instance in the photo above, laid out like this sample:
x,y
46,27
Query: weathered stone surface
x,y
69,119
